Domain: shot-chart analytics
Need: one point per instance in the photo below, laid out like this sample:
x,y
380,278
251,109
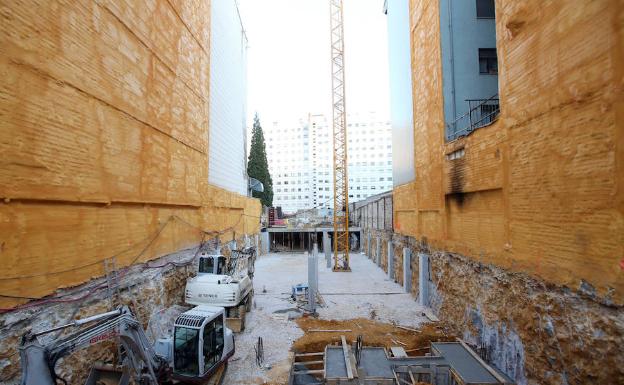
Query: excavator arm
x,y
39,360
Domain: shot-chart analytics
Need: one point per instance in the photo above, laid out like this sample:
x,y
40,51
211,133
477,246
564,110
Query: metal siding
x,y
228,94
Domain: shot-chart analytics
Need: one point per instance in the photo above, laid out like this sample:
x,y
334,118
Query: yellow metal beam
x,y
341,180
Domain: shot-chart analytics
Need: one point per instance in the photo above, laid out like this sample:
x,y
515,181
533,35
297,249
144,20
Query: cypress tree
x,y
257,165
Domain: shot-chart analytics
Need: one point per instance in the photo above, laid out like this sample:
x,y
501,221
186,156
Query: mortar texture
x,y
540,190
104,140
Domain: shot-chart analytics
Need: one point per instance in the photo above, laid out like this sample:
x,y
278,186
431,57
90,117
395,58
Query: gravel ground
x,y
365,292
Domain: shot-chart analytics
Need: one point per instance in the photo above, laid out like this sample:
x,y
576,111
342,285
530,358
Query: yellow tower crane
x,y
341,180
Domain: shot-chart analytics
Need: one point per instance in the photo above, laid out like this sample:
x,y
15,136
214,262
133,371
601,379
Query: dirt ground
x,y
373,333
364,297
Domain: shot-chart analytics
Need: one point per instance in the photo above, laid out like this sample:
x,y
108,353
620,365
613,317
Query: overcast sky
x,y
289,72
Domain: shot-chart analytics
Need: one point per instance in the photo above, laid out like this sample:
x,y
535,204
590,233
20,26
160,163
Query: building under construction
x,y
498,256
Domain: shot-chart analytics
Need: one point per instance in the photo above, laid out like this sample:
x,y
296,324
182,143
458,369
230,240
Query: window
x,y
186,346
488,63
213,343
206,265
485,9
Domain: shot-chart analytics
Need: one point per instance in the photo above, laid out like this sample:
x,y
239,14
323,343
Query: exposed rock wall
x,y
149,292
526,229
535,332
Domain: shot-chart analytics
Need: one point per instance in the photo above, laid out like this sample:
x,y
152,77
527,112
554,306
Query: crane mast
x,y
341,180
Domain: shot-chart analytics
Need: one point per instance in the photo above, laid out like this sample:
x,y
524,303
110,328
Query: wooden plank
x,y
346,357
330,330
398,342
406,328
308,363
319,371
309,354
411,376
396,377
417,349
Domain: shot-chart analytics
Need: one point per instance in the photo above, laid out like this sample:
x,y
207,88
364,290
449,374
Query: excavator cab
x,y
201,343
212,264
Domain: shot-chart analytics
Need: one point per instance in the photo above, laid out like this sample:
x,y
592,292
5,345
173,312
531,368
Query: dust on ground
x,y
357,297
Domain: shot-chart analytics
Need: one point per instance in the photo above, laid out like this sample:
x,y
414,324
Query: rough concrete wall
x,y
151,293
377,236
535,333
104,138
540,190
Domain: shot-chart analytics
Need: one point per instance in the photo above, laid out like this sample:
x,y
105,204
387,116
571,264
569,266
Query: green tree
x,y
257,165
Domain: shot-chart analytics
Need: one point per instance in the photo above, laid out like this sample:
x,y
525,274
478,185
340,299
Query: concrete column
x,y
407,269
315,252
312,272
390,261
327,248
265,242
423,279
378,251
368,246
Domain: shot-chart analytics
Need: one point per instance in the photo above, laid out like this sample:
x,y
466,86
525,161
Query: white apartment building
x,y
300,159
288,154
227,166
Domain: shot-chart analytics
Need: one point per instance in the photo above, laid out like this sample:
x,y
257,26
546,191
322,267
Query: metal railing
x,y
481,112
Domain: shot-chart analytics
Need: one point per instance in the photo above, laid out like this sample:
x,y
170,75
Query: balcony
x,y
481,113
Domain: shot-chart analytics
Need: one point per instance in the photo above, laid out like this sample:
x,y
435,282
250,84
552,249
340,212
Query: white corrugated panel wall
x,y
228,97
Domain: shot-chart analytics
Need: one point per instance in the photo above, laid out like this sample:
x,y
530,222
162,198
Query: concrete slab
x,y
375,363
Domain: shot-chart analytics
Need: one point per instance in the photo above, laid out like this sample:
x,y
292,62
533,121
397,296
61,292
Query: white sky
x,y
289,67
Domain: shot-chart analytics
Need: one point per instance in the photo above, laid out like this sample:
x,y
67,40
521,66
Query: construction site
x,y
137,245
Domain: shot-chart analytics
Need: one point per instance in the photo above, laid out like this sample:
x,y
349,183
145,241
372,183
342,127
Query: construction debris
x,y
329,330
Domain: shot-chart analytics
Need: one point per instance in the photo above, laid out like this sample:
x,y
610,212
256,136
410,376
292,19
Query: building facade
x,y
300,159
104,136
227,164
521,217
400,80
469,65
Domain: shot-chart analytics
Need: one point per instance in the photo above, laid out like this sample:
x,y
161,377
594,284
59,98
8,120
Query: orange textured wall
x,y
541,190
104,139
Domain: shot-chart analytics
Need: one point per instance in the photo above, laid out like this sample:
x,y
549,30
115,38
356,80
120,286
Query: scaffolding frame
x,y
341,180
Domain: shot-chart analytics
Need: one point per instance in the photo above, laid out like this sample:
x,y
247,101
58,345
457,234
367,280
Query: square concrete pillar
x,y
327,247
423,279
407,269
378,252
312,280
390,261
368,245
265,244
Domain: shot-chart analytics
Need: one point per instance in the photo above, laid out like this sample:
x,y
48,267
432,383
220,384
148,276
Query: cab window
x,y
221,265
213,343
186,349
206,265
